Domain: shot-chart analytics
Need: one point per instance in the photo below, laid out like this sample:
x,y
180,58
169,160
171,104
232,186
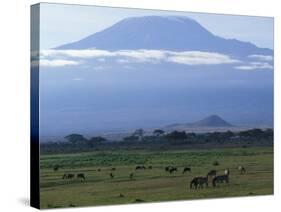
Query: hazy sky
x,y
93,91
62,24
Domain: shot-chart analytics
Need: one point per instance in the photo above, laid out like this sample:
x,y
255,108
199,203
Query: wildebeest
x,y
113,169
81,175
167,168
150,167
242,169
99,170
198,182
173,169
111,175
186,169
68,176
131,176
140,167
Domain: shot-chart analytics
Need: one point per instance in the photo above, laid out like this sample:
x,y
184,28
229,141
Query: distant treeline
x,y
160,140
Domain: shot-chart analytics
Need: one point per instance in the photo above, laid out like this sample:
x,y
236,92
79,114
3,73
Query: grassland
x,y
154,184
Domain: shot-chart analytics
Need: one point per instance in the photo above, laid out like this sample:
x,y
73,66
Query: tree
x,y
176,135
130,138
95,140
139,133
75,138
229,134
252,133
158,132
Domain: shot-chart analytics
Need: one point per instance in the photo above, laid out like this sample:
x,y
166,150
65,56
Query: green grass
x,y
152,184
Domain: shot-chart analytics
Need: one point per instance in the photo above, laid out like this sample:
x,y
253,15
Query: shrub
x,y
216,163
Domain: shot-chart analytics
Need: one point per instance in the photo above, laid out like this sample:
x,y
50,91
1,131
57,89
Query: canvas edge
x,y
34,106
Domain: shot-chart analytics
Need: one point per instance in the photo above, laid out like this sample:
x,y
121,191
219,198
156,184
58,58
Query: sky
x,y
62,23
90,91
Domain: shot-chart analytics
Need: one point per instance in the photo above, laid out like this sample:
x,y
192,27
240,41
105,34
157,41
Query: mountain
x,y
213,121
175,33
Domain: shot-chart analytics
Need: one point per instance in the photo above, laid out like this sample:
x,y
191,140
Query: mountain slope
x,y
174,33
212,121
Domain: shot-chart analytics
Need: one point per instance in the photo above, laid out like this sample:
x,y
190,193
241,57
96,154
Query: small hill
x,y
212,121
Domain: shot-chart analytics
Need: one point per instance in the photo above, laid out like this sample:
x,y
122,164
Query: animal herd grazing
x,y
211,177
196,183
71,176
143,167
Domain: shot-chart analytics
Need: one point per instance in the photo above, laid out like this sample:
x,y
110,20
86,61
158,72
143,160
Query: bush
x,y
216,163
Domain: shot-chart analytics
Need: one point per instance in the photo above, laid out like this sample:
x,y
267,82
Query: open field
x,y
151,184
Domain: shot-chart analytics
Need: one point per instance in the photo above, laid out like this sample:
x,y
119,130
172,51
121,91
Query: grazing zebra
x,y
81,175
198,182
242,169
186,169
202,181
68,176
194,183
220,179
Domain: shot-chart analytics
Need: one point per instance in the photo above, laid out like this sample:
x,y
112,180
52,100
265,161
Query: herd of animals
x,y
196,183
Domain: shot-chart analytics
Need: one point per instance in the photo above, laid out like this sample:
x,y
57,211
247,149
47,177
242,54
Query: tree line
x,y
176,136
161,140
